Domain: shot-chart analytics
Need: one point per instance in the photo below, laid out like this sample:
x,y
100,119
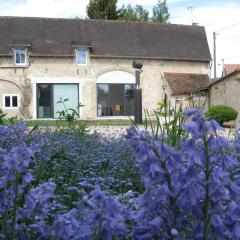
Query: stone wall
x,y
65,70
8,87
226,92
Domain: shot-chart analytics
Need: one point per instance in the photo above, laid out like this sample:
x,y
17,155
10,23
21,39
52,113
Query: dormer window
x,y
20,56
81,56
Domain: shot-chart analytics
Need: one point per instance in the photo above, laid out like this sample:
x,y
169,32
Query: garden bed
x,y
66,183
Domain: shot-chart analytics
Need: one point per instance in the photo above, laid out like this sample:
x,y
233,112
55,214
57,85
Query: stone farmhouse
x,y
90,61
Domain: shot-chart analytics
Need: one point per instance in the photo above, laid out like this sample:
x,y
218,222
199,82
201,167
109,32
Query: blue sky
x,y
213,14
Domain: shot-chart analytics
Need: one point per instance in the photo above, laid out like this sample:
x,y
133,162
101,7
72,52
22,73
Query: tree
x,y
128,13
103,9
160,12
142,14
138,13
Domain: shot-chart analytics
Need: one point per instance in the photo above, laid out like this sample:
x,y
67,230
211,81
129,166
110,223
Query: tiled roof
x,y
226,77
181,83
229,68
58,37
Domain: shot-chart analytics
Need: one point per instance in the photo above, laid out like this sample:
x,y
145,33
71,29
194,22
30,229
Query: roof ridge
x,y
102,20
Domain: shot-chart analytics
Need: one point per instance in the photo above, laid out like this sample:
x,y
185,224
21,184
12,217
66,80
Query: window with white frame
x,y
81,56
20,56
10,101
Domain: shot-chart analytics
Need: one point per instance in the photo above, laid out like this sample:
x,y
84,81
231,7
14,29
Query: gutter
x,y
150,58
110,56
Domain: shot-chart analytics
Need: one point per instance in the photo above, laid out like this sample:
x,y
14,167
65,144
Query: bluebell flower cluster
x,y
59,185
189,192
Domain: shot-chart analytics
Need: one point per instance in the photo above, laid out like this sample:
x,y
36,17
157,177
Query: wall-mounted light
x,y
137,64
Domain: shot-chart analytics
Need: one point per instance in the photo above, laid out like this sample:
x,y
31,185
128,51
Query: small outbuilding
x,y
180,87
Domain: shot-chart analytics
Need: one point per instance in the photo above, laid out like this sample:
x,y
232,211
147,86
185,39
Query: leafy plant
x,y
12,120
70,116
2,116
166,124
221,113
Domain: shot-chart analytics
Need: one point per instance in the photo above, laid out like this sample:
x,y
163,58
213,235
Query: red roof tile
x,y
229,68
181,83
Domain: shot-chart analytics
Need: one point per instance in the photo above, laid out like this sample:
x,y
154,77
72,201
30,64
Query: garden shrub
x,y
221,113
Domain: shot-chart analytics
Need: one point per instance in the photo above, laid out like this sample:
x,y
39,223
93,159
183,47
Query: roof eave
x,y
111,56
225,77
151,58
42,55
20,45
192,91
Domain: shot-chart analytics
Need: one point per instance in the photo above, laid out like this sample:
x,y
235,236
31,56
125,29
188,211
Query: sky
x,y
220,16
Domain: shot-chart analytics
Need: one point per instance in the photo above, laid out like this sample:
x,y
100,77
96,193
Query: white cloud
x,y
49,8
216,19
56,8
135,2
223,21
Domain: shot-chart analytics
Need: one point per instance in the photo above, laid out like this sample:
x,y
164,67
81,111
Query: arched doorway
x,y
115,94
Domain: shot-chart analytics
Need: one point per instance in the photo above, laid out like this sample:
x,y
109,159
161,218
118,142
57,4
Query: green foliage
x,y
139,14
107,9
103,9
7,121
221,113
67,114
70,116
12,120
2,116
128,14
160,12
134,14
165,123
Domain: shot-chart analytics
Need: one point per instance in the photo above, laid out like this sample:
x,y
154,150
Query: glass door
x,y
115,99
49,94
65,91
129,100
102,100
44,100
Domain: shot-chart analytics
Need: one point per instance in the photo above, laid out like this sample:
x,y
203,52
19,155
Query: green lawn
x,y
113,122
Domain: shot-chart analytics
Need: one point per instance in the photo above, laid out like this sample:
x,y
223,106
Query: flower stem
x,y
13,232
207,199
